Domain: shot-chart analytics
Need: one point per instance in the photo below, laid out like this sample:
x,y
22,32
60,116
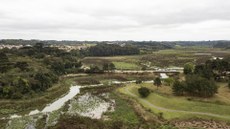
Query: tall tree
x,y
157,82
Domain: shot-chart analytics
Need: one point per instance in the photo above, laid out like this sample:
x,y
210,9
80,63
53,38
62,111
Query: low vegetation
x,y
144,92
125,65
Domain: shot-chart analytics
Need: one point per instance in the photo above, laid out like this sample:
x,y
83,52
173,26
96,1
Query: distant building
x,y
215,58
163,76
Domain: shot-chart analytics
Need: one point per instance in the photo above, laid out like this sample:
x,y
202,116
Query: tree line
x,y
112,50
200,79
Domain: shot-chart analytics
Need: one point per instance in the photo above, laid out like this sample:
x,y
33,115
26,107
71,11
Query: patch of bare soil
x,y
204,124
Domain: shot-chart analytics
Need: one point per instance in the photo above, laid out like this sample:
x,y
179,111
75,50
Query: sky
x,y
157,20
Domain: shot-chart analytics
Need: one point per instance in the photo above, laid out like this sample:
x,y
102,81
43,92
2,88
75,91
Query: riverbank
x,y
39,101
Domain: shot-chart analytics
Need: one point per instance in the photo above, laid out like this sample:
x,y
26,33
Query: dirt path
x,y
173,110
225,98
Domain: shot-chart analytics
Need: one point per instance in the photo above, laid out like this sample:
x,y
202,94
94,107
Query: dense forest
x,y
112,50
224,44
30,70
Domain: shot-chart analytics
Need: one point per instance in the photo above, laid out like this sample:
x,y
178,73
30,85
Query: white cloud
x,y
115,19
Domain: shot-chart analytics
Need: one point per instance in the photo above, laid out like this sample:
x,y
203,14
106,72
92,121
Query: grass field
x,y
173,107
120,61
125,65
163,58
123,111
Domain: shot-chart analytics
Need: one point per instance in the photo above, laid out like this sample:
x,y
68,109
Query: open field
x,y
162,58
125,65
178,107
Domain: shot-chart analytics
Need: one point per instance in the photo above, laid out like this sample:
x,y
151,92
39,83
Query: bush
x,y
144,92
169,81
138,81
188,68
178,88
17,95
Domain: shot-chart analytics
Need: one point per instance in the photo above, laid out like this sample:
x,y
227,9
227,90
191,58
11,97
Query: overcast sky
x,y
115,19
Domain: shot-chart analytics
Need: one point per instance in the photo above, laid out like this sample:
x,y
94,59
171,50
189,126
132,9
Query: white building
x,y
163,76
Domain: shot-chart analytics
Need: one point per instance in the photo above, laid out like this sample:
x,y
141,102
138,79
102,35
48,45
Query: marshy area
x,y
91,99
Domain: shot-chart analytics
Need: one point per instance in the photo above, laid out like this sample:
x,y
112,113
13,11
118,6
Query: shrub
x,y
144,92
188,68
178,88
169,81
138,81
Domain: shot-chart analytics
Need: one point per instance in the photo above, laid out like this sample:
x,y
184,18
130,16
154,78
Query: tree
x,y
111,66
195,85
144,92
39,46
178,88
108,67
3,58
58,67
105,66
43,81
204,71
188,68
169,81
200,86
157,82
94,69
23,85
112,50
144,67
23,66
5,65
138,81
7,91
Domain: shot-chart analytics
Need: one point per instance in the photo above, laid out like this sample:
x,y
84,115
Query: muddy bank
x,y
89,105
